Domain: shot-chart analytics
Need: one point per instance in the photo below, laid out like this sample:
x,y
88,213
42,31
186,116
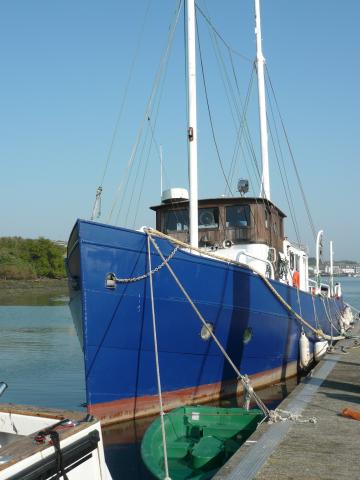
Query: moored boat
x,y
47,444
199,440
230,254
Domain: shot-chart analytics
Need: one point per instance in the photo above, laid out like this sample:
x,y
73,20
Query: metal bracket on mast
x,y
96,211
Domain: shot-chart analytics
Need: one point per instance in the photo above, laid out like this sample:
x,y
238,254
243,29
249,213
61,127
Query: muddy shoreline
x,y
33,292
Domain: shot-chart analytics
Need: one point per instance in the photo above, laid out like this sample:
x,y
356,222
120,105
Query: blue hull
x,y
115,325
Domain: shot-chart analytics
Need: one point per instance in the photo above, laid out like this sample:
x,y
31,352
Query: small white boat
x,y
46,444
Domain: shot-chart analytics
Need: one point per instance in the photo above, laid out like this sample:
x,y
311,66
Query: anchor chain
x,y
114,278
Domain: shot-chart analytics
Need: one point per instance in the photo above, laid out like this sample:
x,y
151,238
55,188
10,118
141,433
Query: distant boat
x,y
230,254
199,440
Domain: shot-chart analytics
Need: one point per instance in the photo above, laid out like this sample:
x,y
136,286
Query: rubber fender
x,y
320,349
304,345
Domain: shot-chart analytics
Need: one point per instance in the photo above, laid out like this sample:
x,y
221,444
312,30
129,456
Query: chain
x,y
279,415
147,274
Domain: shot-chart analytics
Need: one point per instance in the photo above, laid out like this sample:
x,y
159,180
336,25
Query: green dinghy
x,y
199,440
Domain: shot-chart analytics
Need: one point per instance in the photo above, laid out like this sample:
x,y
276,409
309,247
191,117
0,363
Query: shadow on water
x,y
123,441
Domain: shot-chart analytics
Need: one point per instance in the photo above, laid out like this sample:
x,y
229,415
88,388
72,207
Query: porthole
x,y
205,331
247,336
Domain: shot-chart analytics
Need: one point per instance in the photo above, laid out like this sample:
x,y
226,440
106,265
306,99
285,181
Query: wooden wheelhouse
x,y
224,221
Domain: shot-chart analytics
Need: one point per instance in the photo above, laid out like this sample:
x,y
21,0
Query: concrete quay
x,y
326,450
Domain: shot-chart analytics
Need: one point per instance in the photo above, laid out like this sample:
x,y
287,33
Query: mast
x,y
260,62
318,255
161,171
192,125
331,269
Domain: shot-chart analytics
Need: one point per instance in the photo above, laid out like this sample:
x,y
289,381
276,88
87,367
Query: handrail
x,y
244,252
299,318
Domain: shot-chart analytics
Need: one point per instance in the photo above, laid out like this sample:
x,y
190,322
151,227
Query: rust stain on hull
x,y
130,408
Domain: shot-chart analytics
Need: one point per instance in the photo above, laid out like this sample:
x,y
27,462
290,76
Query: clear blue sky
x,y
64,67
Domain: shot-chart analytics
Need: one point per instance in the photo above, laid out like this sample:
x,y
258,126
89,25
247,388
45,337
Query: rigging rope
x,y
243,379
96,211
162,413
271,415
283,173
298,317
354,308
315,313
207,19
329,317
243,130
210,116
127,182
149,105
233,102
241,126
292,158
146,167
117,123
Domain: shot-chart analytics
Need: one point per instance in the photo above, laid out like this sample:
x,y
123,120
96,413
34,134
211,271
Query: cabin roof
x,y
219,201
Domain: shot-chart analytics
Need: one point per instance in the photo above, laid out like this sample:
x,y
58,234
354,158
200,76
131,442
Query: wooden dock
x,y
326,450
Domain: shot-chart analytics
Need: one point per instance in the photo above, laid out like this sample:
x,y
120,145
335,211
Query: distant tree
x,y
27,258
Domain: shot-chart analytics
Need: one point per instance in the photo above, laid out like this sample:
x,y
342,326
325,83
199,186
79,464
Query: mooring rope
x,y
315,313
328,316
317,331
166,466
272,416
243,379
353,308
298,317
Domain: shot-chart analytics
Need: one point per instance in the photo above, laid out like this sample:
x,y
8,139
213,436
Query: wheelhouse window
x,y
177,221
208,218
238,216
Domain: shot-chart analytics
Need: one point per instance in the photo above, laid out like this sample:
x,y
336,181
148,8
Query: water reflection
x,y
122,449
41,357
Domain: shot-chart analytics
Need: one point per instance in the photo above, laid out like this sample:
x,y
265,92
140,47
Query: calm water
x,y
40,357
42,363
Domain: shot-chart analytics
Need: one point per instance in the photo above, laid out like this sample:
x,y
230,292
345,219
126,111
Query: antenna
x,y
331,268
161,170
319,246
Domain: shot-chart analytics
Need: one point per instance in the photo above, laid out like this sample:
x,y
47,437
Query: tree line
x,y
27,259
